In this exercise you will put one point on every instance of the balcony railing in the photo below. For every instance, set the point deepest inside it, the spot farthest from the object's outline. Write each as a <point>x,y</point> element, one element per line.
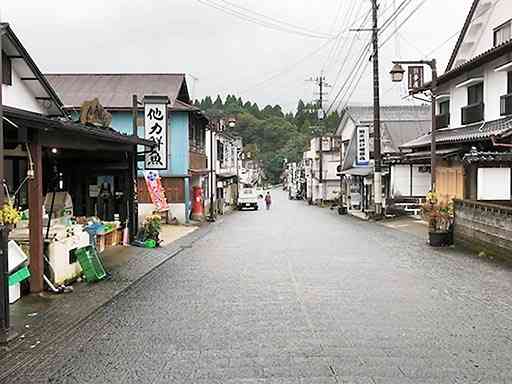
<point>472,113</point>
<point>506,105</point>
<point>442,121</point>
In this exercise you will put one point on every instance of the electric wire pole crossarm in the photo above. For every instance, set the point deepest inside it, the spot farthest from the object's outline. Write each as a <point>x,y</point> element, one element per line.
<point>397,75</point>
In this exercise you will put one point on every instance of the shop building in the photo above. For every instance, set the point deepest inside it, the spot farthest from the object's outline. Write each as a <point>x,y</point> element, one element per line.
<point>187,170</point>
<point>57,166</point>
<point>474,128</point>
<point>227,168</point>
<point>404,184</point>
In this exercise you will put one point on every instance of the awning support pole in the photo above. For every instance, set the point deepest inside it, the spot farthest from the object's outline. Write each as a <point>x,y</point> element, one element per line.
<point>35,207</point>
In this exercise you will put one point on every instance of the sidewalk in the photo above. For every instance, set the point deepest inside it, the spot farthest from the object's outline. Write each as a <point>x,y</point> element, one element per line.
<point>408,224</point>
<point>41,319</point>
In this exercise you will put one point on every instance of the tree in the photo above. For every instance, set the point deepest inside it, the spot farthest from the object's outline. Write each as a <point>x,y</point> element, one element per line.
<point>218,103</point>
<point>271,135</point>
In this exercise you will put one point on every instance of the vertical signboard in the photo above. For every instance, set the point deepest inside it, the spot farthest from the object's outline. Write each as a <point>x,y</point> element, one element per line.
<point>363,147</point>
<point>155,129</point>
<point>416,78</point>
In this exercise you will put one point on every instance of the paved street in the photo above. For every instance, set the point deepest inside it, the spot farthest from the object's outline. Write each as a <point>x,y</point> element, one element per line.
<point>297,295</point>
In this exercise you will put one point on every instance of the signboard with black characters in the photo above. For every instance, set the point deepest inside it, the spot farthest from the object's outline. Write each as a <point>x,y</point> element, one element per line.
<point>363,145</point>
<point>416,78</point>
<point>155,129</point>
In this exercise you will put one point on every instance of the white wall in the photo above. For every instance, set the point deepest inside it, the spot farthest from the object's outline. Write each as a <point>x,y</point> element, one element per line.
<point>401,181</point>
<point>480,35</point>
<point>493,184</point>
<point>458,99</point>
<point>420,181</point>
<point>495,86</point>
<point>479,39</point>
<point>19,96</point>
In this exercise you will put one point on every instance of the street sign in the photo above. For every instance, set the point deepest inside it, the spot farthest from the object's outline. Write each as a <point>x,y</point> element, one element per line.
<point>155,129</point>
<point>363,145</point>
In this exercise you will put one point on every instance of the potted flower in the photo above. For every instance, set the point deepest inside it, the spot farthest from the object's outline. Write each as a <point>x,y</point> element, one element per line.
<point>440,221</point>
<point>9,215</point>
<point>151,228</point>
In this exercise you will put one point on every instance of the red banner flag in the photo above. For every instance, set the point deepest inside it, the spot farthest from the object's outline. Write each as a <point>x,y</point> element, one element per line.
<point>156,191</point>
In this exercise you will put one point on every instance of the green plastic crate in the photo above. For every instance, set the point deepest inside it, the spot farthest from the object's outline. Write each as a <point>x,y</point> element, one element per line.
<point>18,276</point>
<point>91,264</point>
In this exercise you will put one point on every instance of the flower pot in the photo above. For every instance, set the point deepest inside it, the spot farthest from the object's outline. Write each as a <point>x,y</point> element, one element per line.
<point>439,239</point>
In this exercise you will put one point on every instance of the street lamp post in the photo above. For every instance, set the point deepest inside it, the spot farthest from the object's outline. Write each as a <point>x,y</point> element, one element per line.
<point>397,75</point>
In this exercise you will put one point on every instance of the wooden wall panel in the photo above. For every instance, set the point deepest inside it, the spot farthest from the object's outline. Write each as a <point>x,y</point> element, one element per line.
<point>174,190</point>
<point>197,160</point>
<point>450,183</point>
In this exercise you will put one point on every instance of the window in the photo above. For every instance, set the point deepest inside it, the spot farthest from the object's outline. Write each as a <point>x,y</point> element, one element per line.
<point>220,152</point>
<point>444,107</point>
<point>6,69</point>
<point>509,83</point>
<point>503,33</point>
<point>476,94</point>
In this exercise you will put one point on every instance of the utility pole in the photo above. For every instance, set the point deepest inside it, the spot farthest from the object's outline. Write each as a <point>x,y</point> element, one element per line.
<point>377,177</point>
<point>320,129</point>
<point>213,191</point>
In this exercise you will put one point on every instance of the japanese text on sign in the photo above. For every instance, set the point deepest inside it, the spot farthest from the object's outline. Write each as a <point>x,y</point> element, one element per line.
<point>363,149</point>
<point>155,129</point>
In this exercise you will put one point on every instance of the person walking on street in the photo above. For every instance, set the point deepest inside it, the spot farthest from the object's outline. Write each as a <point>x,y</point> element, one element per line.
<point>268,200</point>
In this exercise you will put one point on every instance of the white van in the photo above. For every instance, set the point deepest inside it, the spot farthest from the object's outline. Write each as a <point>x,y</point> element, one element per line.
<point>247,198</point>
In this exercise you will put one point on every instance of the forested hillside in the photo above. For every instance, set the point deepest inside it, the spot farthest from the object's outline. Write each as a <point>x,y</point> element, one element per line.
<point>272,134</point>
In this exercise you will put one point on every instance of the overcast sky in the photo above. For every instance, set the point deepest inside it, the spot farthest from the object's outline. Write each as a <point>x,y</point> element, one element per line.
<point>227,54</point>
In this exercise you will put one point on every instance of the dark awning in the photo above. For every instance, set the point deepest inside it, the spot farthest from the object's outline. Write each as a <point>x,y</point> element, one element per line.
<point>424,155</point>
<point>225,176</point>
<point>31,120</point>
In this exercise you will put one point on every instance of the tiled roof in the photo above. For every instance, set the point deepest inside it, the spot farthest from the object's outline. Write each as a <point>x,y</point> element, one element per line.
<point>115,90</point>
<point>474,132</point>
<point>427,154</point>
<point>475,156</point>
<point>364,114</point>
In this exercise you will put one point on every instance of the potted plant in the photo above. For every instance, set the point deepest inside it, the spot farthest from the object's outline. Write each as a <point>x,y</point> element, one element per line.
<point>440,221</point>
<point>151,228</point>
<point>9,216</point>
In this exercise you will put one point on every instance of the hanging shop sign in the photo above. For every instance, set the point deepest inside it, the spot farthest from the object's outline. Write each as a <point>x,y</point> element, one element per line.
<point>363,145</point>
<point>155,189</point>
<point>155,129</point>
<point>416,78</point>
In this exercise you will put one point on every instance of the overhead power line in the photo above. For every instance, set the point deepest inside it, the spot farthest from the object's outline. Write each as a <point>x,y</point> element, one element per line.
<point>289,68</point>
<point>366,49</point>
<point>261,19</point>
<point>380,46</point>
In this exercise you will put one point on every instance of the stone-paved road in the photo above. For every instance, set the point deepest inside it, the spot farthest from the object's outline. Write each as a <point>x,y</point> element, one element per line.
<point>298,295</point>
